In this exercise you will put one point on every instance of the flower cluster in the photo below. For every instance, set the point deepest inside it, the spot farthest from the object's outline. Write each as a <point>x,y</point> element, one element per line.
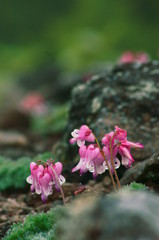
<point>43,177</point>
<point>93,158</point>
<point>130,57</point>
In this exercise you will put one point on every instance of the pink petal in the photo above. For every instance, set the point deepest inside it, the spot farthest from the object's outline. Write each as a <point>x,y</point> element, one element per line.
<point>82,151</point>
<point>106,151</point>
<point>84,131</point>
<point>125,161</point>
<point>32,188</point>
<point>72,140</point>
<point>133,145</point>
<point>44,198</point>
<point>92,152</point>
<point>81,163</point>
<point>90,138</point>
<point>44,182</point>
<point>107,137</point>
<point>120,134</point>
<point>58,168</point>
<point>40,168</point>
<point>126,152</point>
<point>33,165</point>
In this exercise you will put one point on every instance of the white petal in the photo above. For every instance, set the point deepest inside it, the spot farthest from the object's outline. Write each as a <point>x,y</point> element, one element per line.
<point>80,142</point>
<point>117,163</point>
<point>30,179</point>
<point>62,180</point>
<point>75,133</point>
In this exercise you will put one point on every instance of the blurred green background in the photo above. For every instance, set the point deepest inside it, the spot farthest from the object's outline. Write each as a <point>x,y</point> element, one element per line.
<point>74,34</point>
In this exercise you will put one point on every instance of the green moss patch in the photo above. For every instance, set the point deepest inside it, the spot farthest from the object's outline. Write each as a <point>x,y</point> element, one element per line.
<point>135,187</point>
<point>39,226</point>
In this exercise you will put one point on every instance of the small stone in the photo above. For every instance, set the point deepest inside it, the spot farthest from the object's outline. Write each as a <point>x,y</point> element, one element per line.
<point>12,138</point>
<point>106,181</point>
<point>96,104</point>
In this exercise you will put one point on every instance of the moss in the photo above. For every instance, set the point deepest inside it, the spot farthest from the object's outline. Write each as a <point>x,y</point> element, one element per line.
<point>39,226</point>
<point>13,173</point>
<point>135,187</point>
<point>131,187</point>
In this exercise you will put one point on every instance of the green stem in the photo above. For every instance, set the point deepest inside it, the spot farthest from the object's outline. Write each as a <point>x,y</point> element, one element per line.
<point>110,173</point>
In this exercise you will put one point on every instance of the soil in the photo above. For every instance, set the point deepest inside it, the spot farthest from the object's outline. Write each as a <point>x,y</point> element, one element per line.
<point>15,206</point>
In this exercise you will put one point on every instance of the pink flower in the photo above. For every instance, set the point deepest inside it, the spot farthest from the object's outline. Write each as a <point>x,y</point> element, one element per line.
<point>117,143</point>
<point>45,182</point>
<point>55,171</point>
<point>130,57</point>
<point>107,138</point>
<point>43,178</point>
<point>34,103</point>
<point>96,163</point>
<point>106,150</point>
<point>82,135</point>
<point>33,179</point>
<point>142,57</point>
<point>83,161</point>
<point>120,134</point>
<point>90,160</point>
<point>124,146</point>
<point>127,57</point>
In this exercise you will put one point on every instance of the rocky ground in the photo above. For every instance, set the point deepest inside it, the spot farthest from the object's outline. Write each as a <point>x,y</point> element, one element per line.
<point>15,206</point>
<point>127,96</point>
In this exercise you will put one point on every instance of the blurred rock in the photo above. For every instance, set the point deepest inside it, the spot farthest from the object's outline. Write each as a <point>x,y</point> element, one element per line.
<point>125,216</point>
<point>14,119</point>
<point>146,172</point>
<point>127,96</point>
<point>12,139</point>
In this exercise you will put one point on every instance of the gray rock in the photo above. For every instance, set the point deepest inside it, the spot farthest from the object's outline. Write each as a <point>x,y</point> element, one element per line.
<point>125,216</point>
<point>146,172</point>
<point>127,96</point>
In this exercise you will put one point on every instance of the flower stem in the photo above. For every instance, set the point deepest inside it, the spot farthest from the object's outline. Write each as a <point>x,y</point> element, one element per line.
<point>112,162</point>
<point>61,190</point>
<point>110,173</point>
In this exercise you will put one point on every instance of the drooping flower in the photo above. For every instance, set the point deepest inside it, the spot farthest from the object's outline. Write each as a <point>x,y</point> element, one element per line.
<point>82,165</point>
<point>116,161</point>
<point>124,146</point>
<point>116,142</point>
<point>55,170</point>
<point>81,135</point>
<point>108,141</point>
<point>90,160</point>
<point>33,179</point>
<point>43,178</point>
<point>45,182</point>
